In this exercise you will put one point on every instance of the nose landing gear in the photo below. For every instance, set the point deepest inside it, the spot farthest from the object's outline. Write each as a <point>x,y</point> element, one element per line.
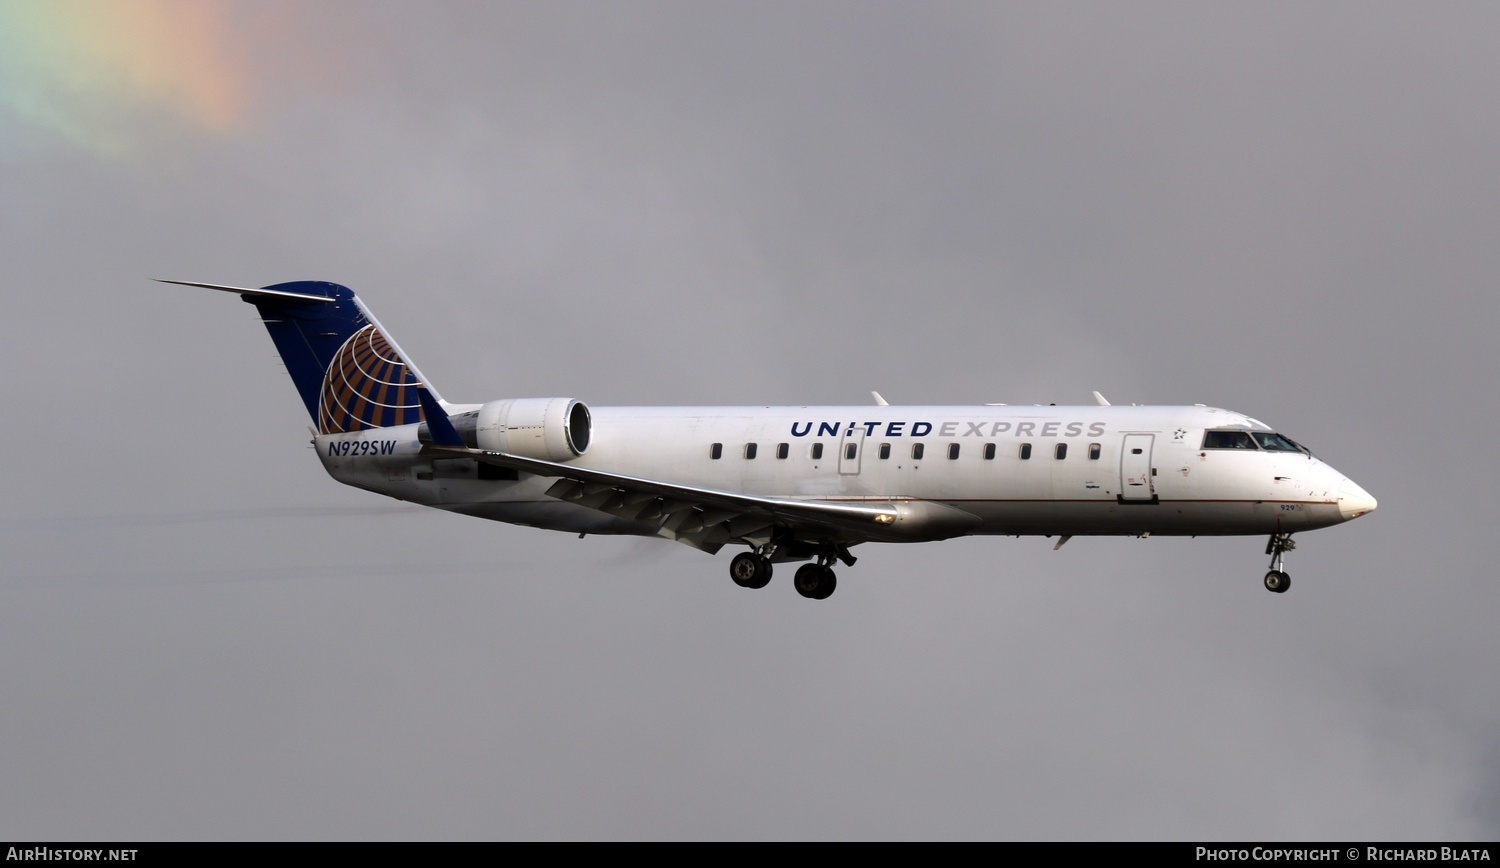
<point>1277,581</point>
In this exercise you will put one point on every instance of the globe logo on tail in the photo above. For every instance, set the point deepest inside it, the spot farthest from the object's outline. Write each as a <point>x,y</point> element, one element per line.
<point>367,385</point>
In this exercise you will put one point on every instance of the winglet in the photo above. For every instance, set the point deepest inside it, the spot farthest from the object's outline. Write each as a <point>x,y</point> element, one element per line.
<point>879,401</point>
<point>1100,398</point>
<point>443,432</point>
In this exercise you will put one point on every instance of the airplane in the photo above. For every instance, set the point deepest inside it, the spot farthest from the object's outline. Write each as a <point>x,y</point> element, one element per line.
<point>792,484</point>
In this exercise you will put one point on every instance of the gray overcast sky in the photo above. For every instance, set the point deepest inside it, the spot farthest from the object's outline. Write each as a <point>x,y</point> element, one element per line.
<point>1288,209</point>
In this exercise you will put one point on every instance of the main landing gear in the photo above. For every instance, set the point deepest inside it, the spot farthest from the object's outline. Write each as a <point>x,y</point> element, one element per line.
<point>1277,581</point>
<point>750,570</point>
<point>814,581</point>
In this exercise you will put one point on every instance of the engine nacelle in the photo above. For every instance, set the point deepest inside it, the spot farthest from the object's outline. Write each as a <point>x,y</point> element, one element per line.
<point>552,429</point>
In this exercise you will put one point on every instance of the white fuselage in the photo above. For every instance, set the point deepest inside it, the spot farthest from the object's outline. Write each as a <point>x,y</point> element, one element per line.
<point>1035,470</point>
<point>788,483</point>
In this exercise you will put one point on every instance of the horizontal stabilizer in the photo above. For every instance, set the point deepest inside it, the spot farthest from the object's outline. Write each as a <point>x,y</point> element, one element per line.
<point>293,297</point>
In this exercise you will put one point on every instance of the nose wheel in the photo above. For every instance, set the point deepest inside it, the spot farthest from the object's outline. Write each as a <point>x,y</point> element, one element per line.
<point>1277,581</point>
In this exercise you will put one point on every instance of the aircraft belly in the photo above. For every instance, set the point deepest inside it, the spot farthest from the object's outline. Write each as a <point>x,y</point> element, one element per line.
<point>1166,518</point>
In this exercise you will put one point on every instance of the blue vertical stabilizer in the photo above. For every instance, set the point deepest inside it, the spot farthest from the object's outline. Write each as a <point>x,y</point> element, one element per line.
<point>350,375</point>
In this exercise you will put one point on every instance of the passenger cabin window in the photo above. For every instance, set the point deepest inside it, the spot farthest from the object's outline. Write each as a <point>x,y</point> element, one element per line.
<point>1061,451</point>
<point>989,452</point>
<point>1227,440</point>
<point>817,451</point>
<point>716,451</point>
<point>749,451</point>
<point>783,450</point>
<point>851,450</point>
<point>1094,450</point>
<point>1025,451</point>
<point>916,451</point>
<point>952,451</point>
<point>885,451</point>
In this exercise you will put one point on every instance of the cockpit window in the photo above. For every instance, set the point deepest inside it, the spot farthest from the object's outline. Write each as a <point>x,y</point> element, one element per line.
<point>1275,443</point>
<point>1227,440</point>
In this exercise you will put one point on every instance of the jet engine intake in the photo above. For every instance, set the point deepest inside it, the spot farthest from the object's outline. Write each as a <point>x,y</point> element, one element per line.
<point>550,429</point>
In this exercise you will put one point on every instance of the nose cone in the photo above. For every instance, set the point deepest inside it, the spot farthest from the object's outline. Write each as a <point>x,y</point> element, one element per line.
<point>1354,501</point>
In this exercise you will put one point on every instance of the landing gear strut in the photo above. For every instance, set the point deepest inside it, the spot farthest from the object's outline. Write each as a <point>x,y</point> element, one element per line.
<point>1277,581</point>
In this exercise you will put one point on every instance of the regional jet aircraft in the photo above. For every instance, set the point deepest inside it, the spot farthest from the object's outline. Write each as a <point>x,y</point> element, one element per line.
<point>790,483</point>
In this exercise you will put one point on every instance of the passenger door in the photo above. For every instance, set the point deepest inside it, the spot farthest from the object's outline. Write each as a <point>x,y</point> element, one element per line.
<point>1135,468</point>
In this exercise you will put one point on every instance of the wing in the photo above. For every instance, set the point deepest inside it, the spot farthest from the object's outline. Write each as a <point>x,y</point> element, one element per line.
<point>706,518</point>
